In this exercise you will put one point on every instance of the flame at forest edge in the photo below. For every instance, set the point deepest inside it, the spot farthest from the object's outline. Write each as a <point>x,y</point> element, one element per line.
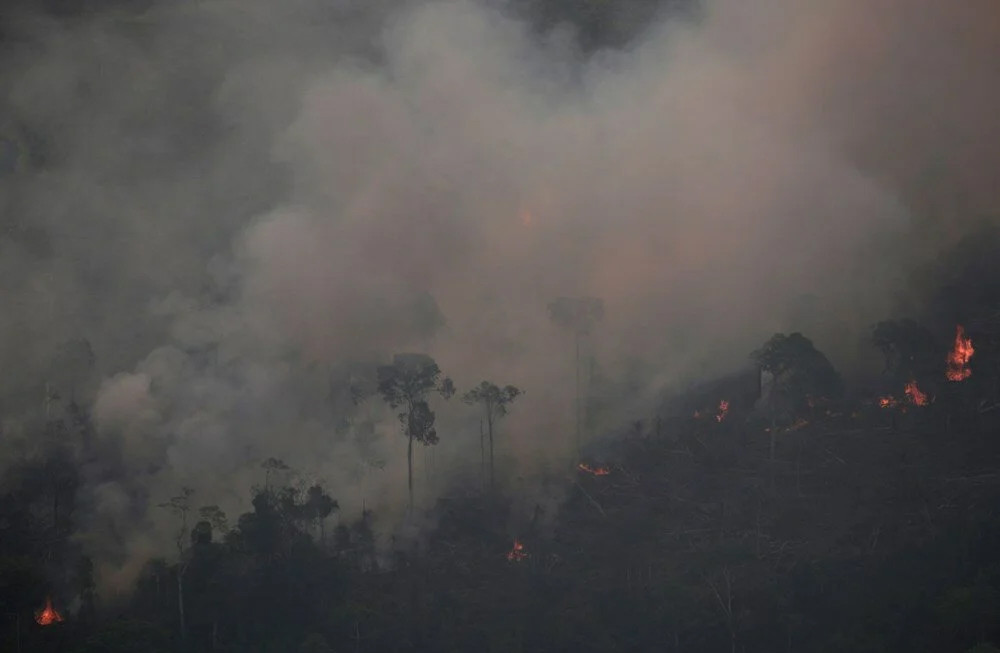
<point>48,615</point>
<point>958,357</point>
<point>596,471</point>
<point>915,395</point>
<point>517,553</point>
<point>723,410</point>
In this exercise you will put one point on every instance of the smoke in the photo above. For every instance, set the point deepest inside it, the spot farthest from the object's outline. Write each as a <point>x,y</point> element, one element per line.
<point>241,207</point>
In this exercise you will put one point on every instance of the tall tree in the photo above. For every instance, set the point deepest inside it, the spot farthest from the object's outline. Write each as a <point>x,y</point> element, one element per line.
<point>317,507</point>
<point>180,505</point>
<point>272,465</point>
<point>578,315</point>
<point>495,402</point>
<point>404,385</point>
<point>798,371</point>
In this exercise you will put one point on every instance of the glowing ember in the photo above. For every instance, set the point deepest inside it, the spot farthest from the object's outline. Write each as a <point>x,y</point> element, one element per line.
<point>723,410</point>
<point>914,394</point>
<point>517,553</point>
<point>886,402</point>
<point>596,471</point>
<point>958,357</point>
<point>48,615</point>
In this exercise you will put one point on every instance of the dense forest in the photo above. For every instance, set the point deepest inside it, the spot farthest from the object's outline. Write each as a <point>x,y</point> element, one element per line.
<point>784,508</point>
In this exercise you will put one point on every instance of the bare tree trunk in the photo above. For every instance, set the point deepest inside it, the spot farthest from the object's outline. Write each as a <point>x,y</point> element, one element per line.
<point>409,466</point>
<point>576,338</point>
<point>489,424</point>
<point>180,599</point>
<point>774,437</point>
<point>798,465</point>
<point>482,453</point>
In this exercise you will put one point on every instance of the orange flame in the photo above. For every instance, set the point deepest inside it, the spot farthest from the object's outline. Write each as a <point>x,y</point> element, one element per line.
<point>526,217</point>
<point>886,402</point>
<point>958,357</point>
<point>914,394</point>
<point>596,471</point>
<point>723,410</point>
<point>48,615</point>
<point>517,553</point>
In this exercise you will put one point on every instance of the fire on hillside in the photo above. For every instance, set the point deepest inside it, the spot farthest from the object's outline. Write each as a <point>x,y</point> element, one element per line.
<point>959,356</point>
<point>723,410</point>
<point>48,615</point>
<point>595,471</point>
<point>517,552</point>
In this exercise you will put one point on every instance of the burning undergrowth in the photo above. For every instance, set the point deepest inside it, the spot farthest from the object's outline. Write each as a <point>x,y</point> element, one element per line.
<point>48,615</point>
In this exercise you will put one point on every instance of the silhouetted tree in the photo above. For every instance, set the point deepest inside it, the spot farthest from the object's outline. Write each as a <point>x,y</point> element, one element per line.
<point>495,402</point>
<point>270,466</point>
<point>317,507</point>
<point>214,516</point>
<point>798,371</point>
<point>405,385</point>
<point>180,505</point>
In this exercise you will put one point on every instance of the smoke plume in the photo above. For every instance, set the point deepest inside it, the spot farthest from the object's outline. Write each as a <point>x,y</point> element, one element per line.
<point>241,207</point>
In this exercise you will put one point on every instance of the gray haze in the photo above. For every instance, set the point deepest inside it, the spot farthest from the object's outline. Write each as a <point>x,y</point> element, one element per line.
<point>242,202</point>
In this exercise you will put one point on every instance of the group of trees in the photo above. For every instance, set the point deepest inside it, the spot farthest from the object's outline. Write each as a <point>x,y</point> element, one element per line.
<point>406,385</point>
<point>959,308</point>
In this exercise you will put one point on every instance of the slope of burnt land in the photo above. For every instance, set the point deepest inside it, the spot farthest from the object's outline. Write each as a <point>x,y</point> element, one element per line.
<point>858,536</point>
<point>870,529</point>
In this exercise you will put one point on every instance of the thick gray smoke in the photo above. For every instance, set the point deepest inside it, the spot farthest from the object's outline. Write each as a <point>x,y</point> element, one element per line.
<point>241,206</point>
